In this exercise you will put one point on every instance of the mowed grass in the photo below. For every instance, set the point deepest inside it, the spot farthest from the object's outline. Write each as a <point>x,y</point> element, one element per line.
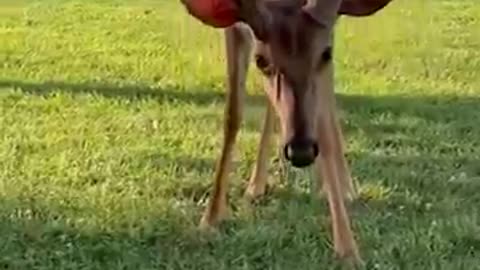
<point>111,121</point>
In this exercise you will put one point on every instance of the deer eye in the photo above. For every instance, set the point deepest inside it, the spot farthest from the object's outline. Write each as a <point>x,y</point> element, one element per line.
<point>263,64</point>
<point>327,55</point>
<point>261,61</point>
<point>325,58</point>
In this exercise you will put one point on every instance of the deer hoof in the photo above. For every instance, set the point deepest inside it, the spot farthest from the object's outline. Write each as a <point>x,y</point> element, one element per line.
<point>350,257</point>
<point>211,219</point>
<point>254,192</point>
<point>353,262</point>
<point>207,226</point>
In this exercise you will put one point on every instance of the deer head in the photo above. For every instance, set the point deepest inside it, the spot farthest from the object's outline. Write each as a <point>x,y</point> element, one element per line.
<point>294,54</point>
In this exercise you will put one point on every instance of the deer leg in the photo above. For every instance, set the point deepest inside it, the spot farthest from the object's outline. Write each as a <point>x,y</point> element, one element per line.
<point>328,165</point>
<point>238,47</point>
<point>331,166</point>
<point>348,190</point>
<point>337,144</point>
<point>344,243</point>
<point>258,179</point>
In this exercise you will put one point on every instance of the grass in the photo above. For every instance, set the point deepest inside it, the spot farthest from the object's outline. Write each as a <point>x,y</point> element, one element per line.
<point>110,121</point>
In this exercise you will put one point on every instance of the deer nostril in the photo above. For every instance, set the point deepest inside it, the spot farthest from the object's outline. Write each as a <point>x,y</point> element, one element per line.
<point>301,153</point>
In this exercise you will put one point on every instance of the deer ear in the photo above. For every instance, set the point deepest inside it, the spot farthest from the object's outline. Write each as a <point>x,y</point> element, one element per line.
<point>215,13</point>
<point>323,12</point>
<point>361,7</point>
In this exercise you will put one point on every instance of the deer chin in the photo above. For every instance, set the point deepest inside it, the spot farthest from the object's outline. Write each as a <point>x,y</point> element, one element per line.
<point>214,13</point>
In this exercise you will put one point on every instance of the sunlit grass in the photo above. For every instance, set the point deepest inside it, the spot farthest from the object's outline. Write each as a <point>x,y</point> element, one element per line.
<point>111,116</point>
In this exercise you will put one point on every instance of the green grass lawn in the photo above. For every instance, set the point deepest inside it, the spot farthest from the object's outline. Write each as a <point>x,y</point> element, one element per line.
<point>110,123</point>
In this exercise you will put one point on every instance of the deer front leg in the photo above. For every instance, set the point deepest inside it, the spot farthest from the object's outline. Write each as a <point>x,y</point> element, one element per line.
<point>328,165</point>
<point>238,47</point>
<point>258,179</point>
<point>348,190</point>
<point>328,113</point>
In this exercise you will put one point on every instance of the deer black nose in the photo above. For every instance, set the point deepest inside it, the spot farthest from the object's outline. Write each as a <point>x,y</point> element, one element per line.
<point>301,152</point>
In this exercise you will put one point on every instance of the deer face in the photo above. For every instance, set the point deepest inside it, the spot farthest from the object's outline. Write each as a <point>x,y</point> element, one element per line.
<point>294,54</point>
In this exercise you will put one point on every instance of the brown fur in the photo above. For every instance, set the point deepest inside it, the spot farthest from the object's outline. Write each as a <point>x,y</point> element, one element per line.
<point>293,43</point>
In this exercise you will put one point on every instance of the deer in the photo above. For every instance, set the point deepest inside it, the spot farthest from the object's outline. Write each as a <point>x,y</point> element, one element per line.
<point>292,45</point>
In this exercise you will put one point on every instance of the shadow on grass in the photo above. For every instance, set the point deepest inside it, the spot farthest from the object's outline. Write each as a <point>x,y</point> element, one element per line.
<point>423,185</point>
<point>456,113</point>
<point>459,114</point>
<point>199,94</point>
<point>423,190</point>
<point>36,234</point>
<point>358,109</point>
<point>44,240</point>
<point>445,107</point>
<point>436,109</point>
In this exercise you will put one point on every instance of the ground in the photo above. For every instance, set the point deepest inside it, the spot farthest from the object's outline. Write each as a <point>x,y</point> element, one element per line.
<point>111,115</point>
